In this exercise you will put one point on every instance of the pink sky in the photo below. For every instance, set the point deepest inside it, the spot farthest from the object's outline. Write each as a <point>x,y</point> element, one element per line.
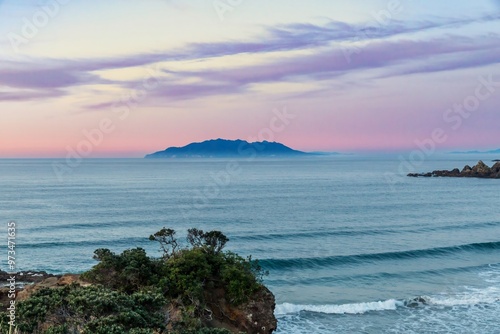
<point>356,78</point>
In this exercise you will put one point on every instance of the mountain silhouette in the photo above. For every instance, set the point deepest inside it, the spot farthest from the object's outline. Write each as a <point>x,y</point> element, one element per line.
<point>228,148</point>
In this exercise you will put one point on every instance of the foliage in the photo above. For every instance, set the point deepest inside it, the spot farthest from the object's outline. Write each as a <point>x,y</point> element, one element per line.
<point>91,310</point>
<point>127,272</point>
<point>166,239</point>
<point>208,331</point>
<point>133,291</point>
<point>213,241</point>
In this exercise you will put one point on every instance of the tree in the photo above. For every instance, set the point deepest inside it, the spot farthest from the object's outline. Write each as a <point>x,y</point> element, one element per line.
<point>214,241</point>
<point>167,240</point>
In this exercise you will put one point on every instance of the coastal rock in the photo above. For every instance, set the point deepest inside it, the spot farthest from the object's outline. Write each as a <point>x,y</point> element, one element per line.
<point>24,280</point>
<point>50,283</point>
<point>467,170</point>
<point>481,170</point>
<point>495,169</point>
<point>416,302</point>
<point>23,277</point>
<point>254,317</point>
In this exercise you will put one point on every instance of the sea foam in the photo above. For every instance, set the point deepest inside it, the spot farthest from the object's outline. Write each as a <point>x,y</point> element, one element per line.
<point>355,308</point>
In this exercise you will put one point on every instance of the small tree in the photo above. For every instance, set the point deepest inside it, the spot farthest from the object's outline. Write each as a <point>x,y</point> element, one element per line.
<point>214,241</point>
<point>167,240</point>
<point>195,237</point>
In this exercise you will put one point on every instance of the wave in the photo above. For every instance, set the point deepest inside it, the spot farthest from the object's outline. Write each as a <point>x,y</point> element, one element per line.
<point>366,231</point>
<point>358,308</point>
<point>315,262</point>
<point>124,242</point>
<point>82,226</point>
<point>317,280</point>
<point>485,296</point>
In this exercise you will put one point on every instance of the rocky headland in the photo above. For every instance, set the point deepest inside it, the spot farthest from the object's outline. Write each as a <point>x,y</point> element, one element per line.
<point>481,170</point>
<point>199,289</point>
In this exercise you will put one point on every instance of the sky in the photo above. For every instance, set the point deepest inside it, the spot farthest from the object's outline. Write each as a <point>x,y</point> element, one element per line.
<point>122,78</point>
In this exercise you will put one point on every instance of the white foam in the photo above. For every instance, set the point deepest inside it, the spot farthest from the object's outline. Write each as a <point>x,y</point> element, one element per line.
<point>472,296</point>
<point>358,308</point>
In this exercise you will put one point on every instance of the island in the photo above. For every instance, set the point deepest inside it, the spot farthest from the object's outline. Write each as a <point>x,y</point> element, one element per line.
<point>228,149</point>
<point>477,152</point>
<point>481,170</point>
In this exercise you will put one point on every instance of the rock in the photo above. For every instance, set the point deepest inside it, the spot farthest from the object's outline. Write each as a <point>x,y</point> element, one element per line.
<point>50,283</point>
<point>495,169</point>
<point>254,317</point>
<point>481,170</point>
<point>24,280</point>
<point>27,276</point>
<point>416,302</point>
<point>466,171</point>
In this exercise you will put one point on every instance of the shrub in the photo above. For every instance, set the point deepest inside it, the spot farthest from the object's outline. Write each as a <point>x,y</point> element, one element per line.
<point>127,272</point>
<point>91,310</point>
<point>133,291</point>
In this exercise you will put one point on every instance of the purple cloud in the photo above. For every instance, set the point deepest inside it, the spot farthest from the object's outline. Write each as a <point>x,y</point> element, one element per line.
<point>49,74</point>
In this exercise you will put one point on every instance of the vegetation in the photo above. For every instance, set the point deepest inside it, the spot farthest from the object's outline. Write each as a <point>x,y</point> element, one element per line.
<point>133,293</point>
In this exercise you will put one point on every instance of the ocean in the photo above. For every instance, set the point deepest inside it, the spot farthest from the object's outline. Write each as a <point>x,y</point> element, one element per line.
<point>348,240</point>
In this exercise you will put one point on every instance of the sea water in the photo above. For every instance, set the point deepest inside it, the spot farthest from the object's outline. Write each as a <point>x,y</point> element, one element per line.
<point>348,240</point>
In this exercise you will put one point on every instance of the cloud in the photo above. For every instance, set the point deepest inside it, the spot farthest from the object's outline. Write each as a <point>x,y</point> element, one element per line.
<point>28,95</point>
<point>383,46</point>
<point>380,54</point>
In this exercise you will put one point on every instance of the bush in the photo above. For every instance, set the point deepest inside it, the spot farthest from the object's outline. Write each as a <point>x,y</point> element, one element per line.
<point>127,272</point>
<point>133,291</point>
<point>91,310</point>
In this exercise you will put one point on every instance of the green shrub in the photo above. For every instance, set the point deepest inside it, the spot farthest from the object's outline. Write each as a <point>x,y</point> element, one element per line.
<point>94,309</point>
<point>132,290</point>
<point>127,272</point>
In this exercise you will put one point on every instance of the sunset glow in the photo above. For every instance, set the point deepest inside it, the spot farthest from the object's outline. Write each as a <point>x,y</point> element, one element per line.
<point>370,76</point>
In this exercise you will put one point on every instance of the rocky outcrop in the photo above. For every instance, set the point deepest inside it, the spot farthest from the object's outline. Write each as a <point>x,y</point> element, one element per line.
<point>416,302</point>
<point>50,283</point>
<point>481,170</point>
<point>23,280</point>
<point>27,276</point>
<point>254,317</point>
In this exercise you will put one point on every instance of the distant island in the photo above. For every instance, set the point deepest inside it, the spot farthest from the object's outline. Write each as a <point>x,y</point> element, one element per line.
<point>228,148</point>
<point>477,152</point>
<point>481,170</point>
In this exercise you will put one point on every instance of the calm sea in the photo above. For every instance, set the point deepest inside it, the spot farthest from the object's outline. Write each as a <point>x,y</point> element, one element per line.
<point>346,245</point>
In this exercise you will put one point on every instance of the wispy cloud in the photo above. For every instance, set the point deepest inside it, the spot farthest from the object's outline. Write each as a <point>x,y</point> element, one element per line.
<point>384,47</point>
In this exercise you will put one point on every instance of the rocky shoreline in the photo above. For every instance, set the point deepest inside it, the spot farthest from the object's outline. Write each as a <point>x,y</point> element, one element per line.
<point>27,277</point>
<point>254,317</point>
<point>481,170</point>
